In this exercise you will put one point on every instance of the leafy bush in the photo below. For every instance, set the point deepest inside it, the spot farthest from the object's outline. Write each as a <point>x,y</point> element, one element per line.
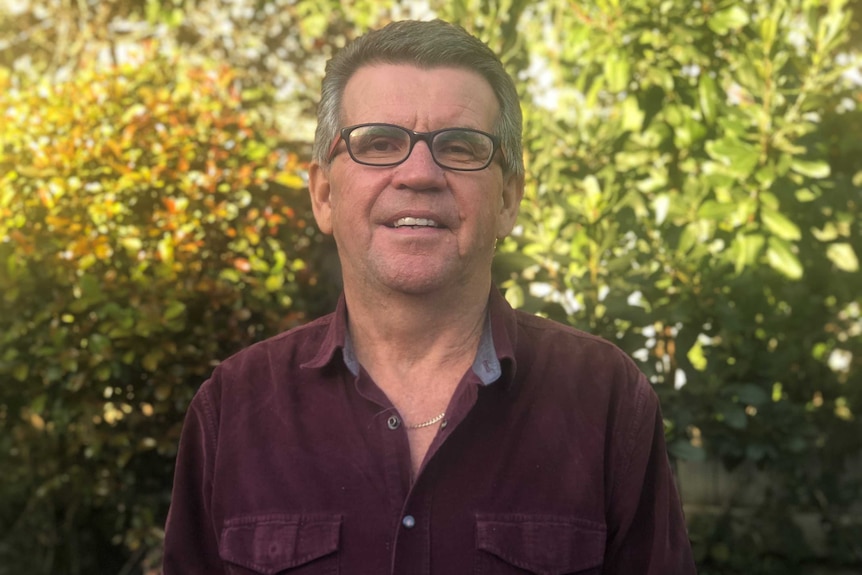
<point>148,226</point>
<point>693,195</point>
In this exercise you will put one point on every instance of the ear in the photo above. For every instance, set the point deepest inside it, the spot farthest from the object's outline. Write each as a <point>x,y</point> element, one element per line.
<point>321,195</point>
<point>513,191</point>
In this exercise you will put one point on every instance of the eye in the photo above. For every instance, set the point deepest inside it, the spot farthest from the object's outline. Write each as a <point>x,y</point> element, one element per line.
<point>456,147</point>
<point>462,145</point>
<point>378,142</point>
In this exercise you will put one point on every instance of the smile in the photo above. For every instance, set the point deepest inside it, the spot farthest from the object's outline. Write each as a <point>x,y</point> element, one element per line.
<point>415,223</point>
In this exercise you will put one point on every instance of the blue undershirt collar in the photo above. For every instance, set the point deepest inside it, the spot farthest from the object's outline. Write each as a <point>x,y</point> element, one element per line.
<point>486,366</point>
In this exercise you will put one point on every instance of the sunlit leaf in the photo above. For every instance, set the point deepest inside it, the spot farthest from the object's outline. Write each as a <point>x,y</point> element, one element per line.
<point>817,170</point>
<point>729,19</point>
<point>708,96</point>
<point>843,256</point>
<point>781,257</point>
<point>780,225</point>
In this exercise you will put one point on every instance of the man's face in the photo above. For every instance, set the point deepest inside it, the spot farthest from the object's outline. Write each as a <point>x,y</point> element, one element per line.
<point>457,216</point>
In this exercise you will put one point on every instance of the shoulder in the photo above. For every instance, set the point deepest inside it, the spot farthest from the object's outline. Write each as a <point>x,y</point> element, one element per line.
<point>551,339</point>
<point>290,348</point>
<point>277,360</point>
<point>554,356</point>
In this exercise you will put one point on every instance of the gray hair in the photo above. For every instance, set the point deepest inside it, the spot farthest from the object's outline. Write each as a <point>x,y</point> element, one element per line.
<point>426,45</point>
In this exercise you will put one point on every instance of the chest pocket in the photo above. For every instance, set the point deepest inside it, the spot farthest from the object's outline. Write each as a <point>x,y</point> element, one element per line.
<point>540,544</point>
<point>292,544</point>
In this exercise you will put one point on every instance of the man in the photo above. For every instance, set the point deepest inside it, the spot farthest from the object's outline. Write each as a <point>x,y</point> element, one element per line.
<point>425,426</point>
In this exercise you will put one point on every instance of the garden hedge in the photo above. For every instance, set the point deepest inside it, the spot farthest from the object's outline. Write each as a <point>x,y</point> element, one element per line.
<point>693,195</point>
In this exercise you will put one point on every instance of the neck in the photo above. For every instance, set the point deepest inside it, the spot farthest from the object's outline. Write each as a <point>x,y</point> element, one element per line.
<point>404,333</point>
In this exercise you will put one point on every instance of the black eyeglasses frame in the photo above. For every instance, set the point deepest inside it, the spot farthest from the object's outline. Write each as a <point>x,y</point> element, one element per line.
<point>427,137</point>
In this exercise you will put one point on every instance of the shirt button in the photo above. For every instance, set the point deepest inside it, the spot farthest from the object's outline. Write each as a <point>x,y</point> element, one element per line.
<point>409,521</point>
<point>393,422</point>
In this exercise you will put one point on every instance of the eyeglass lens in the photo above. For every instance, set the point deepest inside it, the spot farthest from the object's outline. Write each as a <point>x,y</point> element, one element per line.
<point>456,148</point>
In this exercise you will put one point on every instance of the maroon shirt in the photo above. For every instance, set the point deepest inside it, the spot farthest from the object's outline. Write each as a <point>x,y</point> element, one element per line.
<point>551,459</point>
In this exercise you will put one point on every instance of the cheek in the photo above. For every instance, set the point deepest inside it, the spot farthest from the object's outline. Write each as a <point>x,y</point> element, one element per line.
<point>350,208</point>
<point>341,202</point>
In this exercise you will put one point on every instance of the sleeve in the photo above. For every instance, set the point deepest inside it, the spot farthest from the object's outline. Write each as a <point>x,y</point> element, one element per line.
<point>191,545</point>
<point>646,527</point>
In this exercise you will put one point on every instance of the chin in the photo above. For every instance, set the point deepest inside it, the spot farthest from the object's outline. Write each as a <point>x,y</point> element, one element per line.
<point>416,287</point>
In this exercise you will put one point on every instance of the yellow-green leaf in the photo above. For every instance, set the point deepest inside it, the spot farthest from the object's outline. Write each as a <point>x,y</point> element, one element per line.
<point>780,225</point>
<point>708,95</point>
<point>843,256</point>
<point>174,310</point>
<point>782,259</point>
<point>816,170</point>
<point>733,18</point>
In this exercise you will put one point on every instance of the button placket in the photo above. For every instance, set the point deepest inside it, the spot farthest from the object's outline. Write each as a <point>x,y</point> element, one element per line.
<point>412,551</point>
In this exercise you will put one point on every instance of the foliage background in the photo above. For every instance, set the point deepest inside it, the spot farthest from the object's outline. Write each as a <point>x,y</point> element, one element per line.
<point>694,196</point>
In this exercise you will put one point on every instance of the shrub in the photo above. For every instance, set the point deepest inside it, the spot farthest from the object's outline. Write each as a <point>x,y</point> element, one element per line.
<point>694,196</point>
<point>149,224</point>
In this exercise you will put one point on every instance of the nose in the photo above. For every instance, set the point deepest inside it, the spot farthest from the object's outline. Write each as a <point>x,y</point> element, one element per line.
<point>419,171</point>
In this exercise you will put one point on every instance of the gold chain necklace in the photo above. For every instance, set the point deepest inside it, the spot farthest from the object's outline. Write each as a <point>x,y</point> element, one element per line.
<point>428,423</point>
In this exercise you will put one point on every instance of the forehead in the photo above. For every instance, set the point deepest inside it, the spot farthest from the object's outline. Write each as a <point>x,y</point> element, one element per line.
<point>419,98</point>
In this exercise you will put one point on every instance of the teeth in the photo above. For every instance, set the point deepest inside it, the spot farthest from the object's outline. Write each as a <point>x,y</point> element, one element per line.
<point>415,222</point>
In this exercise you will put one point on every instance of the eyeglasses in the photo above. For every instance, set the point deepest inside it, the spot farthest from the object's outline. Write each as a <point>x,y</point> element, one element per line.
<point>460,149</point>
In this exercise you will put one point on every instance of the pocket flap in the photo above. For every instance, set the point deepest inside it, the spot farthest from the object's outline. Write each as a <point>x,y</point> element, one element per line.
<point>546,544</point>
<point>272,543</point>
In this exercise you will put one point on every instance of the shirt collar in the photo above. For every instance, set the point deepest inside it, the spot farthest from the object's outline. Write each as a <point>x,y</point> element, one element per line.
<point>496,346</point>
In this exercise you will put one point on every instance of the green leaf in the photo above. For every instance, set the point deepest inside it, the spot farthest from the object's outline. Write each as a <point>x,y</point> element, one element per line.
<point>688,238</point>
<point>683,449</point>
<point>38,403</point>
<point>805,195</point>
<point>756,451</point>
<point>713,210</point>
<point>632,115</point>
<point>723,21</point>
<point>515,296</point>
<point>696,357</point>
<point>11,294</point>
<point>769,28</point>
<point>661,205</point>
<point>843,256</point>
<point>617,72</point>
<point>230,275</point>
<point>816,170</point>
<point>274,282</point>
<point>103,372</point>
<point>780,225</point>
<point>751,394</point>
<point>21,371</point>
<point>782,259</point>
<point>133,245</point>
<point>747,250</point>
<point>708,95</point>
<point>733,416</point>
<point>174,310</point>
<point>739,158</point>
<point>99,343</point>
<point>91,288</point>
<point>152,359</point>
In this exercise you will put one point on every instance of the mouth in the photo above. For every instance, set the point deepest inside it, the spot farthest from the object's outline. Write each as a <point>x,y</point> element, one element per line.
<point>415,223</point>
